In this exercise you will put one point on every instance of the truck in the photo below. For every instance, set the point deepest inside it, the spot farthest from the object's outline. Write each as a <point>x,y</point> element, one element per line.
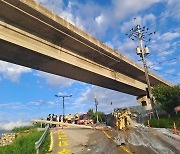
<point>85,119</point>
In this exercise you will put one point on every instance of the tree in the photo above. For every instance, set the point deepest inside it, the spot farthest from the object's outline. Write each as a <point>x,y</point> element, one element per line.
<point>168,97</point>
<point>94,115</point>
<point>90,112</point>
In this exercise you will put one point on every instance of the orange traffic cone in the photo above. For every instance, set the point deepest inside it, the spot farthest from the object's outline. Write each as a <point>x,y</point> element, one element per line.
<point>148,124</point>
<point>56,128</point>
<point>175,131</point>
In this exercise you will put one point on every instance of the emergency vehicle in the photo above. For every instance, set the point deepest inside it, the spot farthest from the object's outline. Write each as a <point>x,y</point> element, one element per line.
<point>85,119</point>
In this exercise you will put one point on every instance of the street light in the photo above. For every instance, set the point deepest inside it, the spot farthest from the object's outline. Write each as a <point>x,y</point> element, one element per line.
<point>96,104</point>
<point>63,104</point>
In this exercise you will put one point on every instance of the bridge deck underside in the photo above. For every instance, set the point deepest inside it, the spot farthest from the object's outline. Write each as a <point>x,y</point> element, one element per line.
<point>47,25</point>
<point>32,18</point>
<point>22,56</point>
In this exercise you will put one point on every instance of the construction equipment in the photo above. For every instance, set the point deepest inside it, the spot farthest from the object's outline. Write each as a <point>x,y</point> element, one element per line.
<point>122,118</point>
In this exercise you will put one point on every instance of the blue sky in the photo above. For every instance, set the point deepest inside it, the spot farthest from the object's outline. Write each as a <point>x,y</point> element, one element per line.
<point>27,93</point>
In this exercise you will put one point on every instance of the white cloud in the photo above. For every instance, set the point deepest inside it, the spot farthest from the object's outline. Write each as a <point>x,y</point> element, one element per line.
<point>55,80</point>
<point>123,8</point>
<point>170,71</point>
<point>13,124</point>
<point>149,18</point>
<point>100,19</point>
<point>14,105</point>
<point>51,103</point>
<point>169,36</point>
<point>172,63</point>
<point>165,53</point>
<point>85,96</point>
<point>37,103</point>
<point>104,97</point>
<point>153,65</point>
<point>12,72</point>
<point>126,26</point>
<point>109,44</point>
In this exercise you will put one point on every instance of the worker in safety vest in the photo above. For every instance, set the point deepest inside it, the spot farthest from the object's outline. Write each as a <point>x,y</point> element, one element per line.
<point>121,122</point>
<point>49,117</point>
<point>69,118</point>
<point>76,117</point>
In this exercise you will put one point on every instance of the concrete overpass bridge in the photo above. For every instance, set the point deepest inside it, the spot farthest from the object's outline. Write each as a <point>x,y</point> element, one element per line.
<point>32,36</point>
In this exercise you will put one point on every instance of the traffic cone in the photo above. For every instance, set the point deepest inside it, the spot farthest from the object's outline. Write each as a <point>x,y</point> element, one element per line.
<point>148,124</point>
<point>175,131</point>
<point>56,128</point>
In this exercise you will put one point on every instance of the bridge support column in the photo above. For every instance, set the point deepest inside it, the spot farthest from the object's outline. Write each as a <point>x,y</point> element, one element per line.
<point>144,101</point>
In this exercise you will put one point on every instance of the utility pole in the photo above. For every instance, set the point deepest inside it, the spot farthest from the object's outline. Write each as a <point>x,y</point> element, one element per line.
<point>141,33</point>
<point>96,104</point>
<point>111,109</point>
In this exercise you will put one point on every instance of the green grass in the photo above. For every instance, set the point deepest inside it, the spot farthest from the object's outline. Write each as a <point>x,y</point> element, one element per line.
<point>25,142</point>
<point>45,145</point>
<point>165,122</point>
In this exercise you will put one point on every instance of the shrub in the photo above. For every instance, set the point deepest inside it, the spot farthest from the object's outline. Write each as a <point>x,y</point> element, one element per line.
<point>165,122</point>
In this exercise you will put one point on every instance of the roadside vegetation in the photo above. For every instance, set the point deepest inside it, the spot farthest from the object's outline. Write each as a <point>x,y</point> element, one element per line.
<point>94,115</point>
<point>25,141</point>
<point>165,122</point>
<point>167,98</point>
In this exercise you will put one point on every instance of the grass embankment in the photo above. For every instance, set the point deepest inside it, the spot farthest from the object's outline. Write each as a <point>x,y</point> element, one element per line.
<point>165,122</point>
<point>25,141</point>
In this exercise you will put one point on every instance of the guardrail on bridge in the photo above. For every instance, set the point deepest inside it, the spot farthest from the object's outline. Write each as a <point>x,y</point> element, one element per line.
<point>40,141</point>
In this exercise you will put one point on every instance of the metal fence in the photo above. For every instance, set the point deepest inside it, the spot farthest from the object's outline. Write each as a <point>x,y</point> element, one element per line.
<point>40,141</point>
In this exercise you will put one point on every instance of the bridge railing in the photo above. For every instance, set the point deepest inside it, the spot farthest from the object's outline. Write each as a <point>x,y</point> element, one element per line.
<point>40,141</point>
<point>58,11</point>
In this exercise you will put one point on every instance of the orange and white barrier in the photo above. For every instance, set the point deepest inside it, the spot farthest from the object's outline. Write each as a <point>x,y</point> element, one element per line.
<point>148,124</point>
<point>175,131</point>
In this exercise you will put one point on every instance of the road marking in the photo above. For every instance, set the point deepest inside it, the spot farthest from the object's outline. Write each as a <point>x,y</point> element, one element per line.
<point>51,145</point>
<point>63,142</point>
<point>64,151</point>
<point>122,147</point>
<point>153,133</point>
<point>107,134</point>
<point>126,149</point>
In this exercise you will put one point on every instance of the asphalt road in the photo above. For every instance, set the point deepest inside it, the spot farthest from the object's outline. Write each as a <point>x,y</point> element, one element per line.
<point>135,140</point>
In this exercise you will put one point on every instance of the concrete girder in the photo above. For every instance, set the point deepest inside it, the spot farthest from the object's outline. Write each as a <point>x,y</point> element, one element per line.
<point>23,48</point>
<point>34,18</point>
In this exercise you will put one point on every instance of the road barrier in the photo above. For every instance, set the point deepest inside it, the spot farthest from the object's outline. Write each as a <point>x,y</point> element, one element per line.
<point>62,124</point>
<point>40,141</point>
<point>149,124</point>
<point>175,131</point>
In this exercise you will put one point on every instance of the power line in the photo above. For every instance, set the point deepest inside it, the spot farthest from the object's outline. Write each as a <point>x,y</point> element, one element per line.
<point>164,72</point>
<point>166,60</point>
<point>160,19</point>
<point>165,17</point>
<point>161,49</point>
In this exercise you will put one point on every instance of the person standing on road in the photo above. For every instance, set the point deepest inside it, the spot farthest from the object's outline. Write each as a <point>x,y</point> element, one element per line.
<point>54,119</point>
<point>76,118</point>
<point>49,117</point>
<point>69,118</point>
